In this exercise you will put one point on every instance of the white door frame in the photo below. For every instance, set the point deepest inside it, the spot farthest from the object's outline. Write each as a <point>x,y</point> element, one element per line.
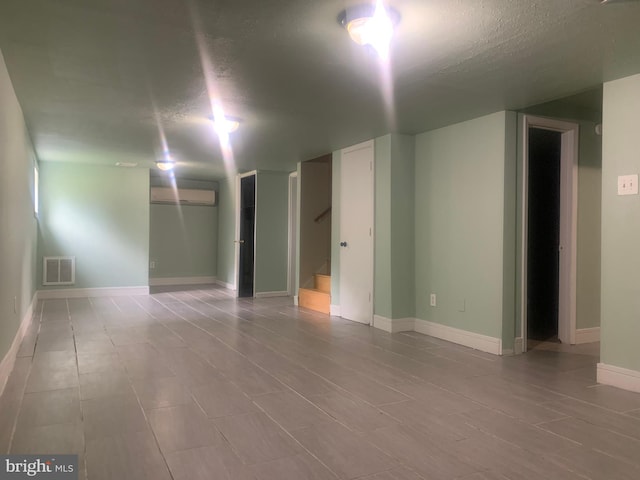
<point>371,144</point>
<point>568,224</point>
<point>236,242</point>
<point>292,266</point>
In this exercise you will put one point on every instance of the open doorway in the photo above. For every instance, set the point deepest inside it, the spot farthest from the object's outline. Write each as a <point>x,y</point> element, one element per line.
<point>549,231</point>
<point>245,238</point>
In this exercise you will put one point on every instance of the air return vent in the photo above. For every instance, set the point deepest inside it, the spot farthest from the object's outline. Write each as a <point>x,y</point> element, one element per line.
<point>59,271</point>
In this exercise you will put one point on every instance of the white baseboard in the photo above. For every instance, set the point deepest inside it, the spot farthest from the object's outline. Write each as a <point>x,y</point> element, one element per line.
<point>156,282</point>
<point>271,294</point>
<point>9,360</point>
<point>619,377</point>
<point>92,292</point>
<point>518,346</point>
<point>295,300</point>
<point>334,310</point>
<point>393,325</point>
<point>587,335</point>
<point>224,284</point>
<point>480,342</point>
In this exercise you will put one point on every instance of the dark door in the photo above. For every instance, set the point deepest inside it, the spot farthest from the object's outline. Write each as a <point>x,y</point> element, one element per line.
<point>543,236</point>
<point>247,228</point>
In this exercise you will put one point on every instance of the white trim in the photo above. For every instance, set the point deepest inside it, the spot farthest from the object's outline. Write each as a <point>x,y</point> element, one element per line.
<point>295,300</point>
<point>394,325</point>
<point>480,342</point>
<point>587,335</point>
<point>619,377</point>
<point>334,310</point>
<point>271,294</point>
<point>181,281</point>
<point>222,283</point>
<point>9,360</point>
<point>92,292</point>
<point>518,346</point>
<point>568,224</point>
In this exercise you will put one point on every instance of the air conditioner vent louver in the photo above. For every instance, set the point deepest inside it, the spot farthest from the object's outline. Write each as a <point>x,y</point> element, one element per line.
<point>59,271</point>
<point>182,196</point>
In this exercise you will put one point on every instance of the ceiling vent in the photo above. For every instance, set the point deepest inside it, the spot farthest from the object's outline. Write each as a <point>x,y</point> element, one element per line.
<point>183,196</point>
<point>59,271</point>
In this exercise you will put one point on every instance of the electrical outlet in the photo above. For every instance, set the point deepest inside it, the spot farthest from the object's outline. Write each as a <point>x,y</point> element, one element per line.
<point>152,264</point>
<point>432,300</point>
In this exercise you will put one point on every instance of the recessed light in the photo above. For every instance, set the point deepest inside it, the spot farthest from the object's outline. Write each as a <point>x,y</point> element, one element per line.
<point>226,124</point>
<point>165,165</point>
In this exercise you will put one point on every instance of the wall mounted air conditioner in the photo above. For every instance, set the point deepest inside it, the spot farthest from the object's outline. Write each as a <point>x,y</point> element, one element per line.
<point>183,196</point>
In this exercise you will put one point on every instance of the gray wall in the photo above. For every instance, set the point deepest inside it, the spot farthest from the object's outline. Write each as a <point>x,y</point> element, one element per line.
<point>18,225</point>
<point>226,231</point>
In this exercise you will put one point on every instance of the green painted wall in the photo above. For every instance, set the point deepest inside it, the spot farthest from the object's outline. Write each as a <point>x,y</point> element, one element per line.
<point>100,215</point>
<point>226,231</point>
<point>620,326</point>
<point>383,297</point>
<point>272,243</point>
<point>459,221</point>
<point>18,225</point>
<point>394,230</point>
<point>183,241</point>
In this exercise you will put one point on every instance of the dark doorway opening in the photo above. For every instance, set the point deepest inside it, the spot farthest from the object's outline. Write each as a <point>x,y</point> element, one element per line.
<point>247,229</point>
<point>543,235</point>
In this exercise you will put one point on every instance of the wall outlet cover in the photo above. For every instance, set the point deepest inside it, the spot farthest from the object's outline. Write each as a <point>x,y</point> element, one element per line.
<point>432,300</point>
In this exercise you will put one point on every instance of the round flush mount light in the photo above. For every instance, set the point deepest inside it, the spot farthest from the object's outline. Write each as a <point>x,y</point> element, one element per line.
<point>165,165</point>
<point>370,24</point>
<point>225,124</point>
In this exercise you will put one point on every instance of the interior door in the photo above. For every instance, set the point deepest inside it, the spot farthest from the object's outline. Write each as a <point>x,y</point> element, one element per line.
<point>247,235</point>
<point>356,233</point>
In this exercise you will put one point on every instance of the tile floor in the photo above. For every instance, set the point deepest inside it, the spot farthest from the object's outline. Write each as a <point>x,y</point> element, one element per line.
<point>198,385</point>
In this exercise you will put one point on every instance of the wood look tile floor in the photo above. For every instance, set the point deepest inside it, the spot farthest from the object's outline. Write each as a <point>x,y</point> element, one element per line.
<point>195,384</point>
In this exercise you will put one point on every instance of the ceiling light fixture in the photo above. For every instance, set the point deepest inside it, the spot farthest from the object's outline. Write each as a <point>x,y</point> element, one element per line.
<point>225,124</point>
<point>370,24</point>
<point>165,165</point>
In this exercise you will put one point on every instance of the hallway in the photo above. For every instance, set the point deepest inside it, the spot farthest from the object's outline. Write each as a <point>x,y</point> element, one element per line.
<point>197,385</point>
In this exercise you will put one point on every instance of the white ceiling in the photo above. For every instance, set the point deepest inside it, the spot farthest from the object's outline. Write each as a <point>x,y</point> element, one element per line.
<point>99,79</point>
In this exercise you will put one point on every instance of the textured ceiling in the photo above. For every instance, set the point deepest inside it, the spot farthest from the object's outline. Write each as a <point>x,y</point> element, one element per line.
<point>101,81</point>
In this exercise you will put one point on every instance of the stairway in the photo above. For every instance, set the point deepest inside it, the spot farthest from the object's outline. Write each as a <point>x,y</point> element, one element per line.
<point>317,298</point>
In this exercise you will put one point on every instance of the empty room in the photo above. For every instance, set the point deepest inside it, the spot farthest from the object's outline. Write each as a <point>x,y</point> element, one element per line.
<point>374,240</point>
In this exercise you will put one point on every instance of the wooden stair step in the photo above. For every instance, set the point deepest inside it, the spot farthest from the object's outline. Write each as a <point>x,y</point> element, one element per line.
<point>322,282</point>
<point>314,299</point>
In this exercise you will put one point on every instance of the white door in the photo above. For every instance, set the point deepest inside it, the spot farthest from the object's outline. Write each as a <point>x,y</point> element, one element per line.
<point>356,233</point>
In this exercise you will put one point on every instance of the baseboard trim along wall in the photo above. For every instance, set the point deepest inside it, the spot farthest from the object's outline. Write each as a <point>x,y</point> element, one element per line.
<point>587,335</point>
<point>271,294</point>
<point>155,282</point>
<point>619,377</point>
<point>9,360</point>
<point>480,342</point>
<point>518,346</point>
<point>334,310</point>
<point>295,300</point>
<point>394,325</point>
<point>224,284</point>
<point>92,292</point>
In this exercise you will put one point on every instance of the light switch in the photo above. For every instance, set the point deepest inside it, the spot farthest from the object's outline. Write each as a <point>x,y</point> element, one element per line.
<point>628,185</point>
